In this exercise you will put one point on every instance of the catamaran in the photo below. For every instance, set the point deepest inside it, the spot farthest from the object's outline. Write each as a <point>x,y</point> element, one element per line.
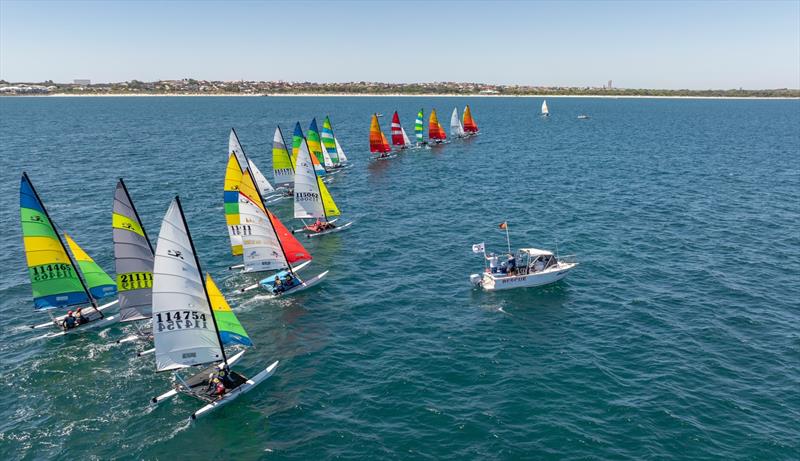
<point>133,258</point>
<point>419,128</point>
<point>545,111</point>
<point>470,127</point>
<point>58,282</point>
<point>435,131</point>
<point>192,322</point>
<point>282,165</point>
<point>331,144</point>
<point>456,129</point>
<point>318,150</point>
<point>399,136</point>
<point>297,139</point>
<point>377,140</point>
<point>235,147</point>
<point>530,267</point>
<point>312,199</point>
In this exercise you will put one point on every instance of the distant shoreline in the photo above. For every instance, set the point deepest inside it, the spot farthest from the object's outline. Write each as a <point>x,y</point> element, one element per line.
<point>397,95</point>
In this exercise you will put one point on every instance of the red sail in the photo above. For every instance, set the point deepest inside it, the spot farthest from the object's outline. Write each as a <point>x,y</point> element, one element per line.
<point>435,130</point>
<point>377,141</point>
<point>294,250</point>
<point>469,123</point>
<point>397,132</point>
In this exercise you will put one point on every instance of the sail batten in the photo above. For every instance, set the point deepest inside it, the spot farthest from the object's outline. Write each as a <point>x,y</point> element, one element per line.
<point>133,259</point>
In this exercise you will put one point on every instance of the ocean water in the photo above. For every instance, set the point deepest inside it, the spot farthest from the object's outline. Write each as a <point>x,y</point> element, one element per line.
<point>676,338</point>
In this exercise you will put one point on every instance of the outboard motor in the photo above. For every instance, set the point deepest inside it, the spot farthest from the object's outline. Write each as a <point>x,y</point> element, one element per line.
<point>476,279</point>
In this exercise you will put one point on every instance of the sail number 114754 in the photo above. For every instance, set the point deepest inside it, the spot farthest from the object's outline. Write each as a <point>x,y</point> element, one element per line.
<point>180,320</point>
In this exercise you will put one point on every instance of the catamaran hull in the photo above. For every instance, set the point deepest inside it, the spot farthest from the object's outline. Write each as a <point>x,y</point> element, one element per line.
<point>295,289</point>
<point>235,393</point>
<point>104,322</point>
<point>173,392</point>
<point>496,282</point>
<point>330,231</point>
<point>51,324</point>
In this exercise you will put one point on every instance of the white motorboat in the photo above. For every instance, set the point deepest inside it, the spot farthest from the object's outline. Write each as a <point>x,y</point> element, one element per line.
<point>532,268</point>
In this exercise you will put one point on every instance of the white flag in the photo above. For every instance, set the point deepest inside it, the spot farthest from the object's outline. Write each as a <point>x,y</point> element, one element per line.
<point>478,248</point>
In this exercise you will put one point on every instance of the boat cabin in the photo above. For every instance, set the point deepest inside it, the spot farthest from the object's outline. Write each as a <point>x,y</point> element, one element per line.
<point>526,261</point>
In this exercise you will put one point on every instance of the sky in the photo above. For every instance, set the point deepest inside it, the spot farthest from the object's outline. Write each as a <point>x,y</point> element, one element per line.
<point>679,44</point>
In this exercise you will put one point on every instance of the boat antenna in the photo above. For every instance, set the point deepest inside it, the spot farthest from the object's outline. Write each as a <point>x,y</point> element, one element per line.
<point>556,248</point>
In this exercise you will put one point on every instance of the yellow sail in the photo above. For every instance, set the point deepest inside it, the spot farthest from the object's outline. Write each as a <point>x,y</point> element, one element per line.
<point>233,176</point>
<point>327,201</point>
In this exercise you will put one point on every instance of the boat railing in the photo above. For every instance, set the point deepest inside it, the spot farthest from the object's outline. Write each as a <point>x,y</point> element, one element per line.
<point>568,259</point>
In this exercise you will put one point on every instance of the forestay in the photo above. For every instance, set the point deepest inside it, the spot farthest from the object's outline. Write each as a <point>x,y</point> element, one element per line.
<point>133,258</point>
<point>183,328</point>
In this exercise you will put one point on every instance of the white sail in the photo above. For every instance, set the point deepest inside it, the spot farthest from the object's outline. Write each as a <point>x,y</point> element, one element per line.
<point>261,182</point>
<point>327,160</point>
<point>406,141</point>
<point>234,146</point>
<point>456,130</point>
<point>307,197</point>
<point>544,108</point>
<point>340,151</point>
<point>262,250</point>
<point>183,330</point>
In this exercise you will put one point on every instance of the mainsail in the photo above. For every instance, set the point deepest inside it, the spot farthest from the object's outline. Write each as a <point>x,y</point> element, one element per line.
<point>235,147</point>
<point>233,176</point>
<point>297,140</point>
<point>329,141</point>
<point>261,181</point>
<point>435,130</point>
<point>340,152</point>
<point>133,256</point>
<point>469,123</point>
<point>377,140</point>
<point>456,130</point>
<point>282,167</point>
<point>545,111</point>
<point>397,131</point>
<point>316,146</point>
<point>311,197</point>
<point>419,126</point>
<point>184,328</point>
<point>54,278</point>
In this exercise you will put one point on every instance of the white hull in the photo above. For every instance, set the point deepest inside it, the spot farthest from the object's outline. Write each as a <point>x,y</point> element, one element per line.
<point>235,393</point>
<point>106,321</point>
<point>330,231</point>
<point>51,324</point>
<point>495,282</point>
<point>173,392</point>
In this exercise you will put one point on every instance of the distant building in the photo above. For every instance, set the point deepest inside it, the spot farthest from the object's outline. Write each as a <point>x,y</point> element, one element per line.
<point>82,81</point>
<point>609,84</point>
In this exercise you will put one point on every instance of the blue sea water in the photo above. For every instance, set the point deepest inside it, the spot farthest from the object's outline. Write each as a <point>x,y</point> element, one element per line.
<point>676,338</point>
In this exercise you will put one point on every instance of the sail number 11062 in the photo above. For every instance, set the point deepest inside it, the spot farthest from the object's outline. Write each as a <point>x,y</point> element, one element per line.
<point>180,320</point>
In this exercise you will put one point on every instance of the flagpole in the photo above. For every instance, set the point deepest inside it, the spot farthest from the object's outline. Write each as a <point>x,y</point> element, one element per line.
<point>508,239</point>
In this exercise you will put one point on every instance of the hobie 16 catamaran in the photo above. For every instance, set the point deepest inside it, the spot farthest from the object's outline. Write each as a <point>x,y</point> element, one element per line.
<point>399,136</point>
<point>377,140</point>
<point>192,322</point>
<point>312,199</point>
<point>435,131</point>
<point>57,281</point>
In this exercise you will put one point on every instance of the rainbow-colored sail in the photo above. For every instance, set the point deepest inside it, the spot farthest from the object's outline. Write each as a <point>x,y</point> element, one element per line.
<point>435,129</point>
<point>314,141</point>
<point>377,140</point>
<point>329,141</point>
<point>54,279</point>
<point>99,283</point>
<point>233,176</point>
<point>230,330</point>
<point>419,126</point>
<point>297,139</point>
<point>469,123</point>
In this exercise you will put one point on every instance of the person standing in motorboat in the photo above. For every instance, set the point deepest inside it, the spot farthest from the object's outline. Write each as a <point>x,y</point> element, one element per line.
<point>512,264</point>
<point>538,266</point>
<point>492,262</point>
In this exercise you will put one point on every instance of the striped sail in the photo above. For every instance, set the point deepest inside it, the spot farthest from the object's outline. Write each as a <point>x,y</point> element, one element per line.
<point>456,130</point>
<point>377,140</point>
<point>261,181</point>
<point>233,176</point>
<point>297,140</point>
<point>397,131</point>
<point>435,130</point>
<point>419,126</point>
<point>311,197</point>
<point>329,141</point>
<point>314,141</point>
<point>99,283</point>
<point>183,329</point>
<point>230,330</point>
<point>54,279</point>
<point>133,257</point>
<point>282,167</point>
<point>340,152</point>
<point>469,123</point>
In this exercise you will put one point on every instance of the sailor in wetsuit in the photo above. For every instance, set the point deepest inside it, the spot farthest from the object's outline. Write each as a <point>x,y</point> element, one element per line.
<point>69,321</point>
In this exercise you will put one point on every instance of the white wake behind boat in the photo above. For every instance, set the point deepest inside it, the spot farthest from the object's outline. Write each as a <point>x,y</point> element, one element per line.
<point>533,268</point>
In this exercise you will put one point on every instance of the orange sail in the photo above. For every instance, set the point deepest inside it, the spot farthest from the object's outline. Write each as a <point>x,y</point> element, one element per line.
<point>469,123</point>
<point>293,249</point>
<point>435,130</point>
<point>377,140</point>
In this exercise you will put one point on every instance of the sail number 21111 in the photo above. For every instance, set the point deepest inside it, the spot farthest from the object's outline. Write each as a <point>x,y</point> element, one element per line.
<point>181,320</point>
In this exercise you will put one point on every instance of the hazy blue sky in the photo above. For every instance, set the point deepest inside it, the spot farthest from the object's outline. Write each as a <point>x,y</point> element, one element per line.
<point>676,44</point>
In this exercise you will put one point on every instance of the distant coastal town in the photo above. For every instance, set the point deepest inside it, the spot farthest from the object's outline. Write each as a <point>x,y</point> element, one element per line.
<point>192,87</point>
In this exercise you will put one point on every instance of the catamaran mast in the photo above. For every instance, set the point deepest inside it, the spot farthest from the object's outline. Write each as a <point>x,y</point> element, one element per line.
<point>202,278</point>
<point>66,251</point>
<point>136,213</point>
<point>288,152</point>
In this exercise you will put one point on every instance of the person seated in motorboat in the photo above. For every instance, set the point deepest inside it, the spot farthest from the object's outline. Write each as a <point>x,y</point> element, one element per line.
<point>80,319</point>
<point>538,266</point>
<point>512,264</point>
<point>69,321</point>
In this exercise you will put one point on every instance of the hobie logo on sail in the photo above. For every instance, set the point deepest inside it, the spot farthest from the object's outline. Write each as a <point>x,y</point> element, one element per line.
<point>175,253</point>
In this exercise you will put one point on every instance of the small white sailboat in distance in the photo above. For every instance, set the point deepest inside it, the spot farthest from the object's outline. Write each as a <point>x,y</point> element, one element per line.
<point>456,129</point>
<point>545,110</point>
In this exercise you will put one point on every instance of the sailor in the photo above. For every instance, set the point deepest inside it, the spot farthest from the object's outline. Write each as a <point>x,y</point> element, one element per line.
<point>224,375</point>
<point>80,319</point>
<point>492,263</point>
<point>289,280</point>
<point>279,288</point>
<point>538,265</point>
<point>69,321</point>
<point>220,389</point>
<point>512,264</point>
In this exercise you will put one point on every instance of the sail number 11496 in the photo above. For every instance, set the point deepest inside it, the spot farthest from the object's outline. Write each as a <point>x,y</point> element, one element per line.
<point>180,320</point>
